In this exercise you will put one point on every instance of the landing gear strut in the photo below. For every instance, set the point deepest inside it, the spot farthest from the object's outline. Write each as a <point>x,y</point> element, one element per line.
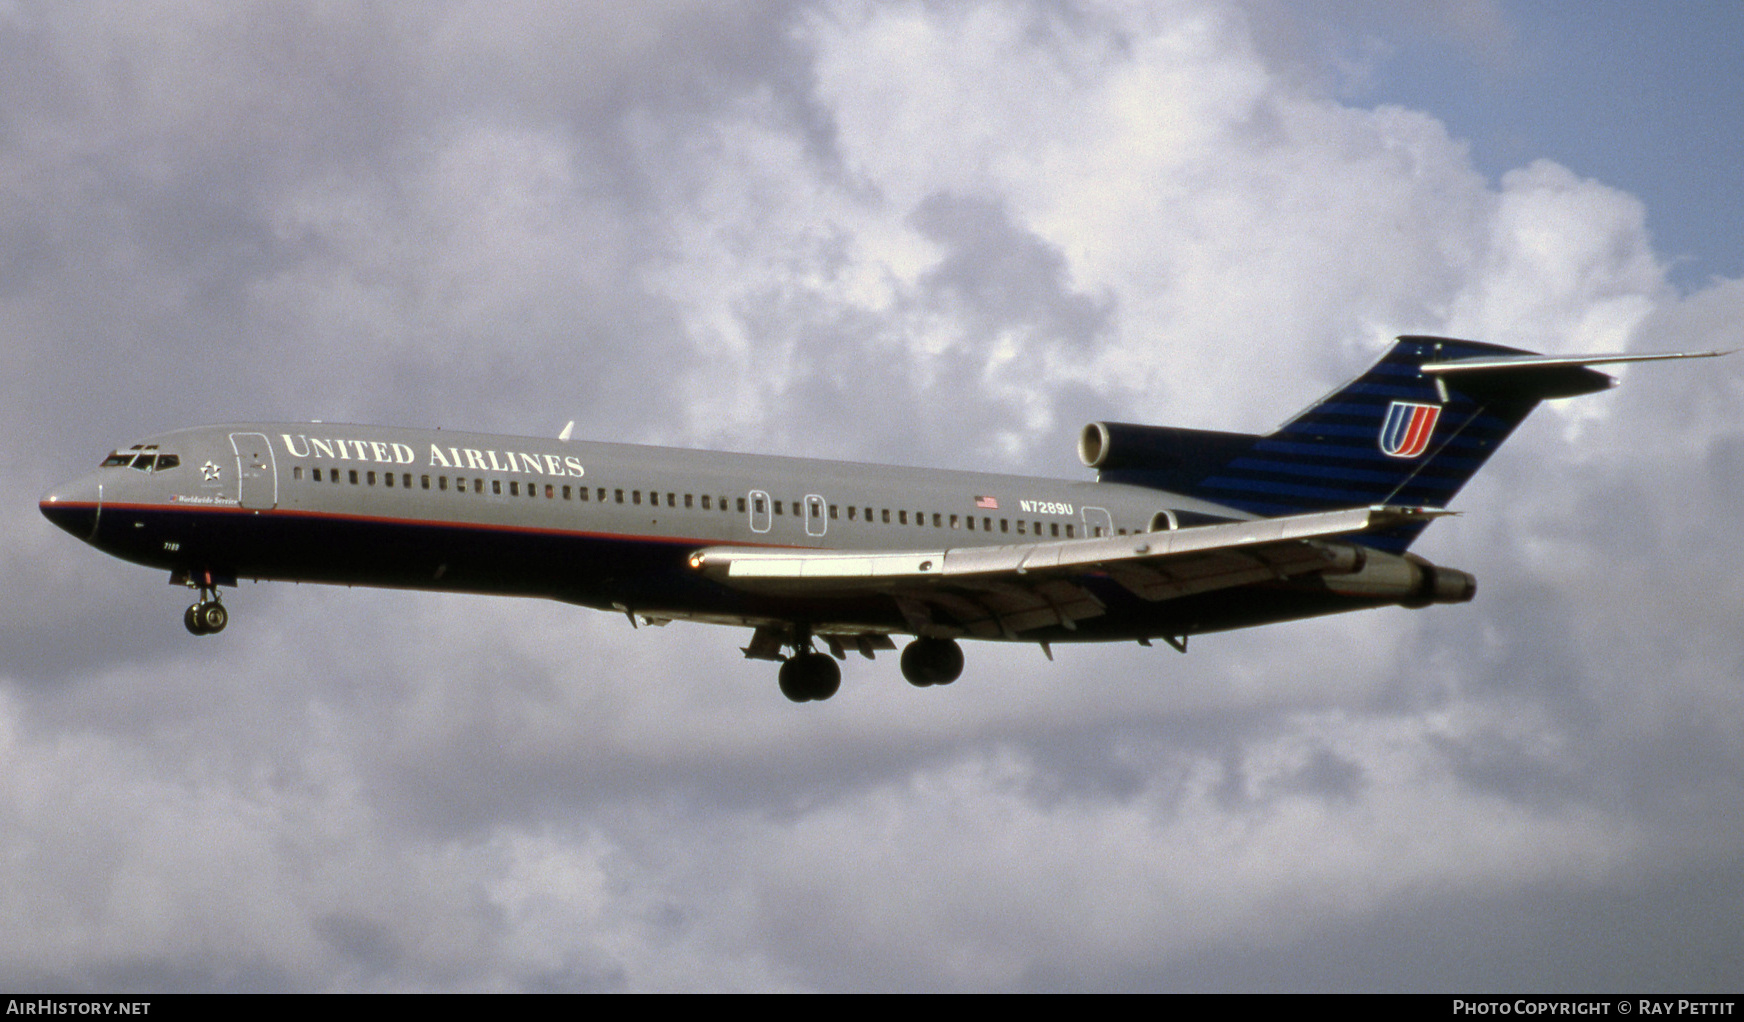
<point>807,675</point>
<point>207,617</point>
<point>932,662</point>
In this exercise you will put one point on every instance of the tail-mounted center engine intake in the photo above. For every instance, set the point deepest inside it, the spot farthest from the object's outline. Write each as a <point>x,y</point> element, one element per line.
<point>1162,456</point>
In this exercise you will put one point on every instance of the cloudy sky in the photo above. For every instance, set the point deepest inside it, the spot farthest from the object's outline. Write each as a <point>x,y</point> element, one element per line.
<point>935,234</point>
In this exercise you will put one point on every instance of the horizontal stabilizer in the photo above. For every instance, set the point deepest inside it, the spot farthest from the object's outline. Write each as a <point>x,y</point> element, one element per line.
<point>1541,377</point>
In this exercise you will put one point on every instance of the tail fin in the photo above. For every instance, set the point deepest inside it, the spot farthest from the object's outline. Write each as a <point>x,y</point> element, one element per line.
<point>1409,431</point>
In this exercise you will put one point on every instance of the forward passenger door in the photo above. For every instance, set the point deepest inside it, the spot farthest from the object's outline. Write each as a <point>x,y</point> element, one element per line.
<point>257,477</point>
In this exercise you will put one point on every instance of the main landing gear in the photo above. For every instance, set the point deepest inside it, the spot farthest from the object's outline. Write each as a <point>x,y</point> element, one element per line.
<point>932,662</point>
<point>208,616</point>
<point>808,676</point>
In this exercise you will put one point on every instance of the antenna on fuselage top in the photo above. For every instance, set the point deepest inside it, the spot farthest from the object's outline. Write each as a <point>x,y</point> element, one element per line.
<point>564,436</point>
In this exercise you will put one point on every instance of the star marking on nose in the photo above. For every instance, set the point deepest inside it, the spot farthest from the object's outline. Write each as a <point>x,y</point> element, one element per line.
<point>209,471</point>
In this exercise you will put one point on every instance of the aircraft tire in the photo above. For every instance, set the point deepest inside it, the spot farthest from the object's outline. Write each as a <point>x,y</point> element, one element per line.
<point>809,677</point>
<point>214,617</point>
<point>792,680</point>
<point>932,662</point>
<point>192,619</point>
<point>824,676</point>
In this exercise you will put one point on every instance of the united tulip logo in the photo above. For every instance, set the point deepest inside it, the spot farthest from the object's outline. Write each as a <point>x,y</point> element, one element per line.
<point>1406,431</point>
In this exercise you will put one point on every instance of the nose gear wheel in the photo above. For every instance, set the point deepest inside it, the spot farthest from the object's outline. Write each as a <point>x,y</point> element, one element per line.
<point>208,616</point>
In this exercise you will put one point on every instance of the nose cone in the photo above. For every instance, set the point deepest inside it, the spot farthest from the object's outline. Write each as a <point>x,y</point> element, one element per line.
<point>75,507</point>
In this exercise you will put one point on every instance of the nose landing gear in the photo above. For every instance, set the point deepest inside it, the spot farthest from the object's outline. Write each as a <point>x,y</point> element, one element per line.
<point>208,616</point>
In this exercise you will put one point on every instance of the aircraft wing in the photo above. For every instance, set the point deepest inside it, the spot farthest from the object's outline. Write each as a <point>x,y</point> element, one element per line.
<point>1000,591</point>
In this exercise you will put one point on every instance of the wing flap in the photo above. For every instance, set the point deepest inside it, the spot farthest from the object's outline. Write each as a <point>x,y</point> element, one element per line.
<point>1204,572</point>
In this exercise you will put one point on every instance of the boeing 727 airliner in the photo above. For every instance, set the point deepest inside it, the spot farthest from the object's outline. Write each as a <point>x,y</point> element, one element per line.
<point>1183,532</point>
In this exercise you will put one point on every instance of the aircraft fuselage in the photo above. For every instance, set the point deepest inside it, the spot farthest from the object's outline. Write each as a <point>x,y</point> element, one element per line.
<point>609,526</point>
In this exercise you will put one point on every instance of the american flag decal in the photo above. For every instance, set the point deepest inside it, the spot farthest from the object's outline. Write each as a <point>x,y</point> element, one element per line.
<point>1406,430</point>
<point>987,503</point>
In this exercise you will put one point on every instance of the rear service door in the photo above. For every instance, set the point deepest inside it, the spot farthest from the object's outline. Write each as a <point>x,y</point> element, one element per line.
<point>1097,522</point>
<point>816,524</point>
<point>759,511</point>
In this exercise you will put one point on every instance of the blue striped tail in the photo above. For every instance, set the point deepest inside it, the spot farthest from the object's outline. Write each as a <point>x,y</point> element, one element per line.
<point>1394,435</point>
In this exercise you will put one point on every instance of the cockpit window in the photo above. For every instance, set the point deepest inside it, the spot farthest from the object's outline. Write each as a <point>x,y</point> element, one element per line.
<point>144,457</point>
